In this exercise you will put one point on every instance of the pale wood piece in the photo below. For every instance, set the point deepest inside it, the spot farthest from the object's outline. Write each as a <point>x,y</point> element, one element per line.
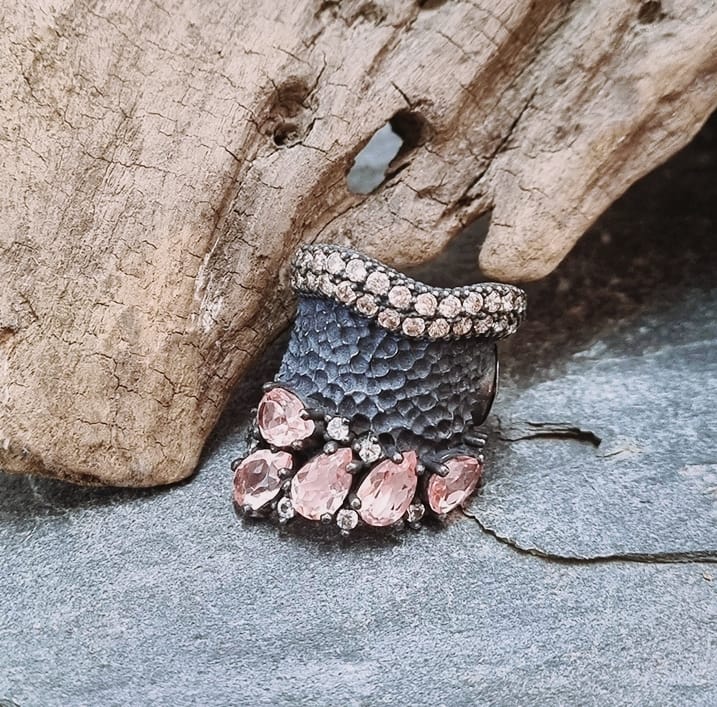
<point>162,160</point>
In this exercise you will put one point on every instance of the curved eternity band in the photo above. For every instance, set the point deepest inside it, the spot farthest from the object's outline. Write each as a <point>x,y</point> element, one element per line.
<point>399,303</point>
<point>373,418</point>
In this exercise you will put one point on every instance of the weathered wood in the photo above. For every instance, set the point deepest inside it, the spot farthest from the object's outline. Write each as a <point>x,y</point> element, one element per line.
<point>161,160</point>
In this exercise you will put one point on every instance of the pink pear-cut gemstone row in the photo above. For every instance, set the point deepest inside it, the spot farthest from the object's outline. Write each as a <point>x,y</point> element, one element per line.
<point>448,492</point>
<point>280,418</point>
<point>320,486</point>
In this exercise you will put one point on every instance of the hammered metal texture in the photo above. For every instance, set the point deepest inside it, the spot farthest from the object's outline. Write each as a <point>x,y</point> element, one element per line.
<point>421,393</point>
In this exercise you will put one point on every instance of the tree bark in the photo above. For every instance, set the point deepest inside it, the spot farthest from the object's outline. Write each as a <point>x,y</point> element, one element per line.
<point>162,159</point>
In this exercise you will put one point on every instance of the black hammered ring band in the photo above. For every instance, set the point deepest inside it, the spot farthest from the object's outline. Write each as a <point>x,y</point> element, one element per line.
<point>374,416</point>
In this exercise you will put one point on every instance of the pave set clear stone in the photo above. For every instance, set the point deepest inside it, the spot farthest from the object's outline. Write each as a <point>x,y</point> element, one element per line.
<point>320,486</point>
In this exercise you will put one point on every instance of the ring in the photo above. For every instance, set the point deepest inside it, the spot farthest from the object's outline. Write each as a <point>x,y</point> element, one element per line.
<point>374,416</point>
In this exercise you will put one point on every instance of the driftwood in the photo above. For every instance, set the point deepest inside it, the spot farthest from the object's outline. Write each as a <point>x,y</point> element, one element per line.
<point>161,161</point>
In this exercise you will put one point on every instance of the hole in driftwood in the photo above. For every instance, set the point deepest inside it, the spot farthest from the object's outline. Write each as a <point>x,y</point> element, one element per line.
<point>405,131</point>
<point>285,133</point>
<point>289,115</point>
<point>649,12</point>
<point>369,168</point>
<point>410,127</point>
<point>430,4</point>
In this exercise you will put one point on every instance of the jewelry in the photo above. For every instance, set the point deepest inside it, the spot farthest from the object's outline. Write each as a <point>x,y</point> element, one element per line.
<point>373,418</point>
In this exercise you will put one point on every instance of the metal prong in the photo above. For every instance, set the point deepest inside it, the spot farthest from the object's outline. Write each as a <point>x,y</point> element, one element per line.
<point>354,467</point>
<point>474,439</point>
<point>435,467</point>
<point>326,518</point>
<point>331,447</point>
<point>354,501</point>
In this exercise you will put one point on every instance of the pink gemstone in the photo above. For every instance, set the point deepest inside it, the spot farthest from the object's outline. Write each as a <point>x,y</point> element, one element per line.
<point>387,491</point>
<point>322,484</point>
<point>448,492</point>
<point>258,478</point>
<point>279,418</point>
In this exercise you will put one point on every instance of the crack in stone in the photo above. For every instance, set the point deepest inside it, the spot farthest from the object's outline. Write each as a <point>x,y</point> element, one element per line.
<point>696,556</point>
<point>548,430</point>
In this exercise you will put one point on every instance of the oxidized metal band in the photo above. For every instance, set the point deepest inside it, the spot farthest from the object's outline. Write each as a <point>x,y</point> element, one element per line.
<point>373,418</point>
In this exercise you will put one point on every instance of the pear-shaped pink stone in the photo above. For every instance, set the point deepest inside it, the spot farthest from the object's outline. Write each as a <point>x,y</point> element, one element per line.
<point>322,484</point>
<point>448,492</point>
<point>387,491</point>
<point>280,420</point>
<point>258,478</point>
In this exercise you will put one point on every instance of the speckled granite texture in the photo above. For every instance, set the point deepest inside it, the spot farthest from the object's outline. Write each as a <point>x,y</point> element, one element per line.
<point>588,574</point>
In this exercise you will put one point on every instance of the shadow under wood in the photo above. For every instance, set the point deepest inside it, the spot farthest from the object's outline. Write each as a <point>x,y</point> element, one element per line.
<point>654,248</point>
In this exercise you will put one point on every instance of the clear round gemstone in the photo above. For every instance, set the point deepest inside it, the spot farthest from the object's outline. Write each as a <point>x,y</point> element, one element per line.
<point>389,319</point>
<point>318,261</point>
<point>356,270</point>
<point>258,478</point>
<point>338,429</point>
<point>426,304</point>
<point>322,484</point>
<point>378,283</point>
<point>368,449</point>
<point>300,260</point>
<point>473,303</point>
<point>450,306</point>
<point>413,326</point>
<point>345,292</point>
<point>448,492</point>
<point>439,328</point>
<point>492,301</point>
<point>400,297</point>
<point>347,519</point>
<point>507,302</point>
<point>326,286</point>
<point>415,512</point>
<point>367,305</point>
<point>462,326</point>
<point>297,280</point>
<point>311,281</point>
<point>388,490</point>
<point>280,418</point>
<point>285,508</point>
<point>484,325</point>
<point>334,263</point>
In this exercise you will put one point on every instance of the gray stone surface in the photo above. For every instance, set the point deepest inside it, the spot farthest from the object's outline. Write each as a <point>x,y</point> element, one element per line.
<point>115,597</point>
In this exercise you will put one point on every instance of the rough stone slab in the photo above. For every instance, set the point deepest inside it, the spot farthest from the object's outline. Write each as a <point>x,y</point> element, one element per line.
<point>649,487</point>
<point>166,598</point>
<point>605,429</point>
